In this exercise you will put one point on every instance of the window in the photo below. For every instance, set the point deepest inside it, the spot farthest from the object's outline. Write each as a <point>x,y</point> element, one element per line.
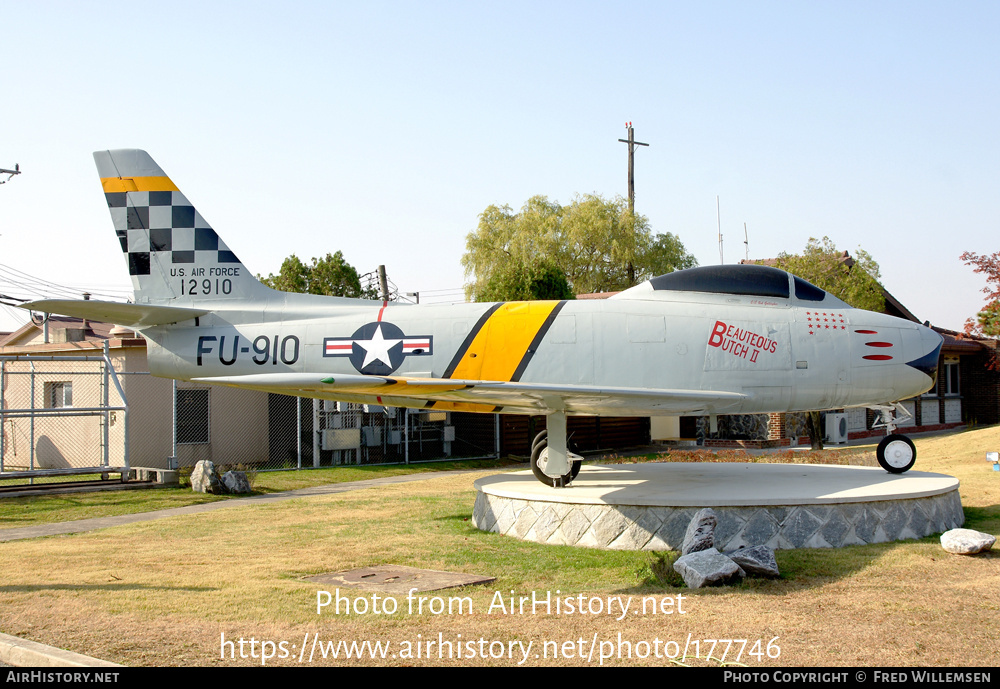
<point>951,376</point>
<point>806,291</point>
<point>192,416</point>
<point>58,395</point>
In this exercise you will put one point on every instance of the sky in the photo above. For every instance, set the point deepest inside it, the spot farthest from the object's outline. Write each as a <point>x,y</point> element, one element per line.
<point>383,130</point>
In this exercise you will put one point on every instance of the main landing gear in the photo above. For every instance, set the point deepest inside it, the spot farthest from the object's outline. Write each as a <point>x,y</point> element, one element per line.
<point>551,462</point>
<point>895,453</point>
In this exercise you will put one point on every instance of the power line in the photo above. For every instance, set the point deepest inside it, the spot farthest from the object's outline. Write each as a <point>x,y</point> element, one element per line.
<point>437,291</point>
<point>442,296</point>
<point>14,280</point>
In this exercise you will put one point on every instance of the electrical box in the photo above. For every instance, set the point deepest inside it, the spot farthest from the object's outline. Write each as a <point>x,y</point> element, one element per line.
<point>430,416</point>
<point>341,439</point>
<point>372,435</point>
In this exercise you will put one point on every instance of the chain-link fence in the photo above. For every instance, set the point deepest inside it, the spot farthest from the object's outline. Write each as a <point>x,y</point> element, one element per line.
<point>269,431</point>
<point>60,416</point>
<point>65,415</point>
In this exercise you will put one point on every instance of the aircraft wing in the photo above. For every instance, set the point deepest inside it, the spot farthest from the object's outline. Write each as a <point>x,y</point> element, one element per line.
<point>575,398</point>
<point>132,315</point>
<point>479,395</point>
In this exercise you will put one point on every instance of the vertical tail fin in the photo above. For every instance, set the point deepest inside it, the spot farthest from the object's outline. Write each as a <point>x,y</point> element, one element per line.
<point>172,253</point>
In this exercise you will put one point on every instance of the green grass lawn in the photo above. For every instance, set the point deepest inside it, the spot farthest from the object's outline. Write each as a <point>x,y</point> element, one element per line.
<point>162,592</point>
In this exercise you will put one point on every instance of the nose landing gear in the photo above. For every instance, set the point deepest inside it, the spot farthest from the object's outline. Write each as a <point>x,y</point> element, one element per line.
<point>895,453</point>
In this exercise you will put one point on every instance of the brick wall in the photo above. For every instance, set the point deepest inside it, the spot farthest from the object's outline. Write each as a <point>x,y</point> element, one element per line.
<point>586,433</point>
<point>980,387</point>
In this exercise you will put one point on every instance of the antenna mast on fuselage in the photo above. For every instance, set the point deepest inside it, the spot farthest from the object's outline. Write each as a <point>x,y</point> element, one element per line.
<point>718,217</point>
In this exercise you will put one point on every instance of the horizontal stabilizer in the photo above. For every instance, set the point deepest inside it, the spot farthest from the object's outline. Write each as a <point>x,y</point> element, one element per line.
<point>132,315</point>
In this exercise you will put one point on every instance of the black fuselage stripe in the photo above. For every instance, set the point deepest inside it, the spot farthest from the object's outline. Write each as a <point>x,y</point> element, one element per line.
<point>468,340</point>
<point>535,342</point>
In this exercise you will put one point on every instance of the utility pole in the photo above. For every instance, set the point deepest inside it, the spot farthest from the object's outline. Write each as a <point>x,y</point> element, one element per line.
<point>10,173</point>
<point>632,143</point>
<point>383,283</point>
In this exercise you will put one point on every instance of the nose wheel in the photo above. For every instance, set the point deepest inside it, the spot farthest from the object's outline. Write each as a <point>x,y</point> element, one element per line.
<point>896,453</point>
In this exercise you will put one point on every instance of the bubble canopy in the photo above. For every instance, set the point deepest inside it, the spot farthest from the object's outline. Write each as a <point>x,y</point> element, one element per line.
<point>749,280</point>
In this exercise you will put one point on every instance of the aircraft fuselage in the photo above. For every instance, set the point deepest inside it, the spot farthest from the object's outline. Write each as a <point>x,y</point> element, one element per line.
<point>779,355</point>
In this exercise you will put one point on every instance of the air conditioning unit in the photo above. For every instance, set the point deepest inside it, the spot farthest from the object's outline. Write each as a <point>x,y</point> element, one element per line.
<point>836,429</point>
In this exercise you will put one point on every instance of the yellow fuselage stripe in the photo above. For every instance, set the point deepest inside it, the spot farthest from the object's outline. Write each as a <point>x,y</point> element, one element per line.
<point>503,341</point>
<point>119,184</point>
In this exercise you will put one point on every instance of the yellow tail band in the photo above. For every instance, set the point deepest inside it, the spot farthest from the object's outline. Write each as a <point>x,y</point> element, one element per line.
<point>119,184</point>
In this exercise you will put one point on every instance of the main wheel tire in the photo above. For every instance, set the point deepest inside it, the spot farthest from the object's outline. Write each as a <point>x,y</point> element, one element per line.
<point>538,462</point>
<point>540,438</point>
<point>896,453</point>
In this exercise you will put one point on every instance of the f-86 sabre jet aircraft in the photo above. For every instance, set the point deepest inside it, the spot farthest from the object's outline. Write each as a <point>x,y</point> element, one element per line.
<point>714,340</point>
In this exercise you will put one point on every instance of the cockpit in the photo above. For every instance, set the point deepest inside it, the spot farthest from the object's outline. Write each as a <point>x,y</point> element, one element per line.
<point>741,280</point>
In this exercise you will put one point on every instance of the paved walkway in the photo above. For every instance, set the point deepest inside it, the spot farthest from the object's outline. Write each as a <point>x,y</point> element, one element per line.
<point>82,525</point>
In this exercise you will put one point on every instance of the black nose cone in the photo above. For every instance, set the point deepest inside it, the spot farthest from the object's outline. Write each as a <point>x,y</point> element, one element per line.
<point>928,363</point>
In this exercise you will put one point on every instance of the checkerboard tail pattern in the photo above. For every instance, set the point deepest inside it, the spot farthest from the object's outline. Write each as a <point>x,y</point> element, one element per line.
<point>163,236</point>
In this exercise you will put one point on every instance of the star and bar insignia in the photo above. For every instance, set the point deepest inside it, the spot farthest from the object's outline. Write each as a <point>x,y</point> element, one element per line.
<point>378,348</point>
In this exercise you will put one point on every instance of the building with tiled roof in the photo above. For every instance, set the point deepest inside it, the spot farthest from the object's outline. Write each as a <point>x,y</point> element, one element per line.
<point>57,363</point>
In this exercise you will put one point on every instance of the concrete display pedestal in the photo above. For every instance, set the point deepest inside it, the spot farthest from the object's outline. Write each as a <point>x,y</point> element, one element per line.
<point>648,506</point>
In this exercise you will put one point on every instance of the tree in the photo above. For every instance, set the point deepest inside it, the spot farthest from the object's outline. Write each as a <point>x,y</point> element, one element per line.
<point>853,280</point>
<point>292,277</point>
<point>597,244</point>
<point>549,282</point>
<point>987,322</point>
<point>518,283</point>
<point>666,254</point>
<point>331,275</point>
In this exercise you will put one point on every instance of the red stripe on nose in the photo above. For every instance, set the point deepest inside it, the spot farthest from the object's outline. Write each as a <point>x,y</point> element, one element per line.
<point>878,344</point>
<point>877,357</point>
